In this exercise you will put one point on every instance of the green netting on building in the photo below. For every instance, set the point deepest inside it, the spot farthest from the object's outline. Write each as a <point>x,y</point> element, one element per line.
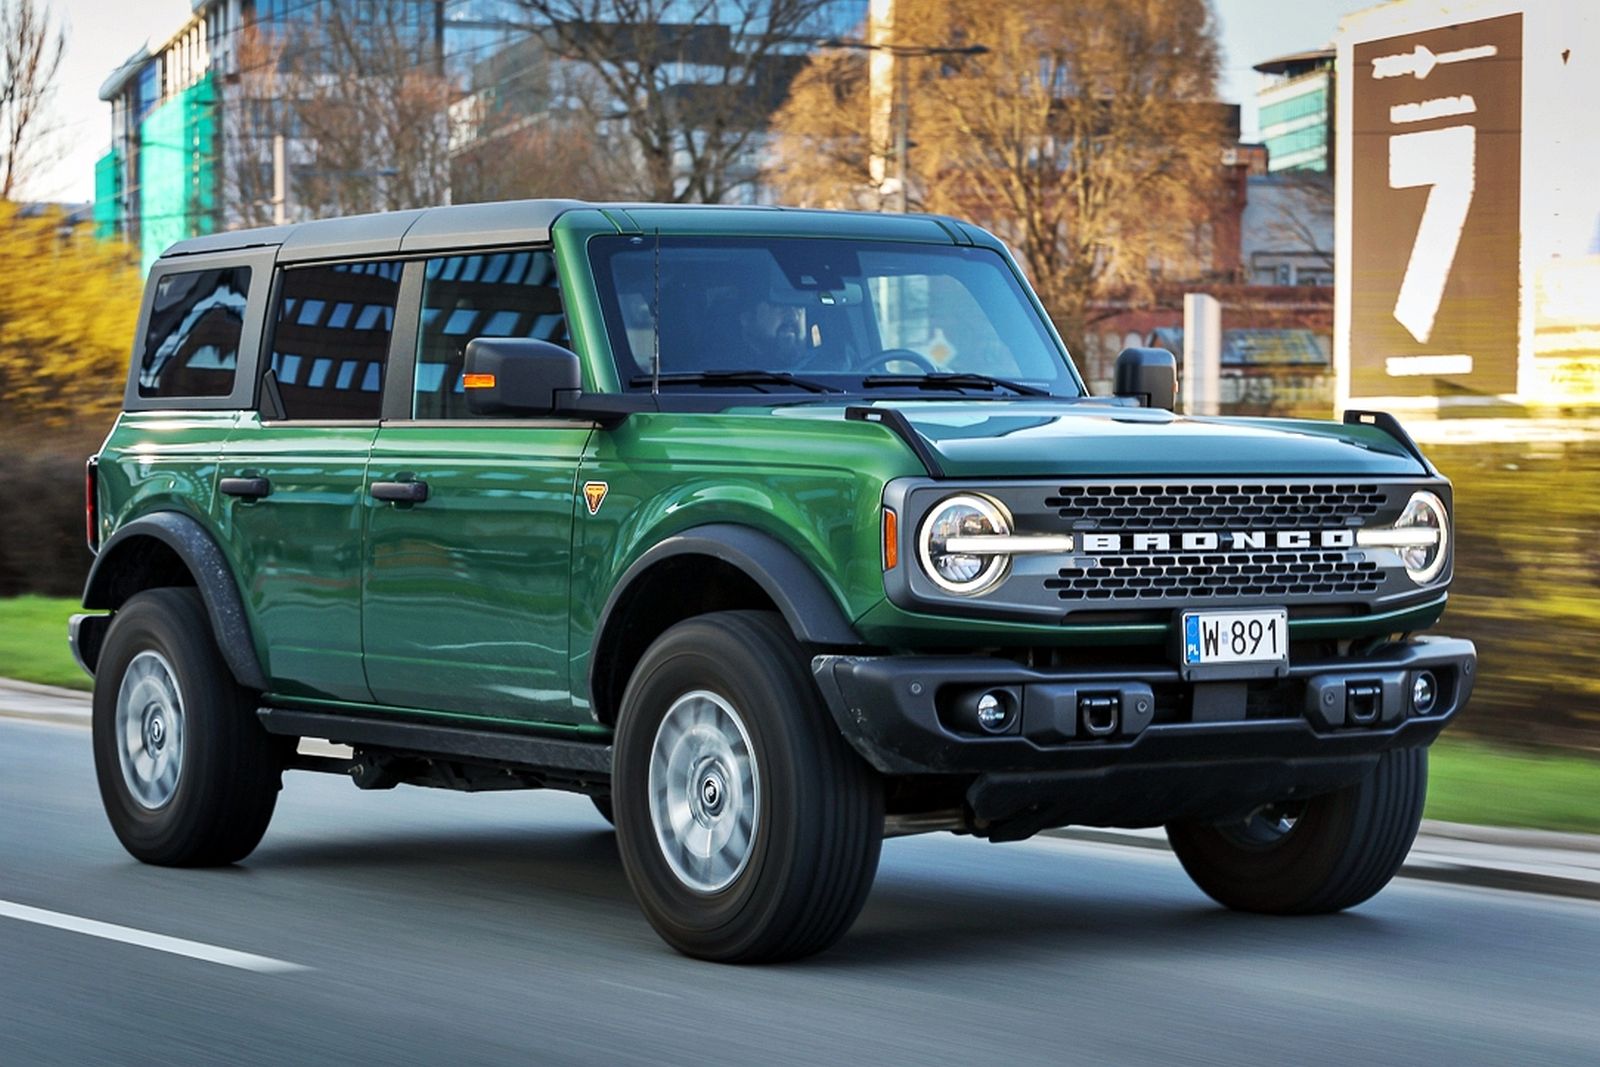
<point>107,195</point>
<point>177,170</point>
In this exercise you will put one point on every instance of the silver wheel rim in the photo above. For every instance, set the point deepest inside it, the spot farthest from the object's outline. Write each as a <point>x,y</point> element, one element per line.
<point>149,728</point>
<point>705,791</point>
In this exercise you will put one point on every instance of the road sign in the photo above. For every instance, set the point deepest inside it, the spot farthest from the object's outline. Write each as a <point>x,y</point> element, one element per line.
<point>1435,162</point>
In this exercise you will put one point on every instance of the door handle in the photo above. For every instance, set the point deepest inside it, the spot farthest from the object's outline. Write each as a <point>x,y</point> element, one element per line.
<point>246,488</point>
<point>400,492</point>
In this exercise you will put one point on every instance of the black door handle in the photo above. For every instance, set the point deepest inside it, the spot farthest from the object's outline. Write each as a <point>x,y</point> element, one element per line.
<point>248,488</point>
<point>400,492</point>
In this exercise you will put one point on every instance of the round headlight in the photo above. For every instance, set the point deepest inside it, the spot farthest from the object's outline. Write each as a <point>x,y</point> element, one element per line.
<point>963,573</point>
<point>1423,561</point>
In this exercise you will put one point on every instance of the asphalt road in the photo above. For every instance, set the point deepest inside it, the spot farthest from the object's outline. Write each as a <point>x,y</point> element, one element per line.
<point>426,927</point>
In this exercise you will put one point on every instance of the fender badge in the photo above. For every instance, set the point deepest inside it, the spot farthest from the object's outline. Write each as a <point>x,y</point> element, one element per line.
<point>594,494</point>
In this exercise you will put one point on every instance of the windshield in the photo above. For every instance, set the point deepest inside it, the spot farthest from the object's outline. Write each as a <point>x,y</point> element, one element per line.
<point>846,314</point>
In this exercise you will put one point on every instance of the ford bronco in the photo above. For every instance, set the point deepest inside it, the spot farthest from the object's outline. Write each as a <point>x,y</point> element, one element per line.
<point>775,532</point>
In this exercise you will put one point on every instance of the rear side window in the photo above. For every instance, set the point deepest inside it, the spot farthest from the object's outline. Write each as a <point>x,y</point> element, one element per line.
<point>330,339</point>
<point>490,294</point>
<point>191,346</point>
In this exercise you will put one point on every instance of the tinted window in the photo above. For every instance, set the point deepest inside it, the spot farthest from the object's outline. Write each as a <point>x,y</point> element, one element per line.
<point>832,310</point>
<point>191,347</point>
<point>330,339</point>
<point>492,294</point>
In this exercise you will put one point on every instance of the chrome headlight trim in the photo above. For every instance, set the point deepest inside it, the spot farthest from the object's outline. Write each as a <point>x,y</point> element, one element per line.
<point>1412,533</point>
<point>996,564</point>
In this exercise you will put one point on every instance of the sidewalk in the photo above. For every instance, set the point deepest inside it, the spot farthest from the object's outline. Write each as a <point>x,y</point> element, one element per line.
<point>1533,861</point>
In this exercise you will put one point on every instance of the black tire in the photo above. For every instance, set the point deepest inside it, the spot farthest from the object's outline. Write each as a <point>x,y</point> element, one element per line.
<point>228,769</point>
<point>817,823</point>
<point>1341,849</point>
<point>603,806</point>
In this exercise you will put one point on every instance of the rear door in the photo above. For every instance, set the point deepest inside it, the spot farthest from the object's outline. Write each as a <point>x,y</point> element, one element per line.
<point>292,490</point>
<point>466,584</point>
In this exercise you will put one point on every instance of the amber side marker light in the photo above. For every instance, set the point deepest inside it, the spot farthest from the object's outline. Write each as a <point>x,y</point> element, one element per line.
<point>477,381</point>
<point>891,539</point>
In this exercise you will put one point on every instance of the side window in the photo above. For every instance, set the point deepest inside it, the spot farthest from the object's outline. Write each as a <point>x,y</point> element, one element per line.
<point>191,347</point>
<point>330,339</point>
<point>488,294</point>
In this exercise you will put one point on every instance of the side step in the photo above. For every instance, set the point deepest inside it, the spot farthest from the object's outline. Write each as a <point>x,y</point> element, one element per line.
<point>585,759</point>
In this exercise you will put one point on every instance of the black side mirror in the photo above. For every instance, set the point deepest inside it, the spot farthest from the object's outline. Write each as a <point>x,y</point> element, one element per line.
<point>1149,375</point>
<point>518,376</point>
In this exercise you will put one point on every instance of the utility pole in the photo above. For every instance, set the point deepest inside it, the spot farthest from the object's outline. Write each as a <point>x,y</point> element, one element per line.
<point>900,107</point>
<point>280,184</point>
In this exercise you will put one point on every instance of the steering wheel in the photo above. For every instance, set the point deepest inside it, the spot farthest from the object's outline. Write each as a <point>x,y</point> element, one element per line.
<point>900,355</point>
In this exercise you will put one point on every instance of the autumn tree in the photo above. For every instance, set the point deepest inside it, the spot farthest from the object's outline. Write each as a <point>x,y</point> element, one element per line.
<point>31,47</point>
<point>690,84</point>
<point>68,304</point>
<point>1085,135</point>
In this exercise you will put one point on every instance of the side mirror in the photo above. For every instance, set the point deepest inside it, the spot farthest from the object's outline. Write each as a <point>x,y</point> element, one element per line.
<point>1149,375</point>
<point>518,376</point>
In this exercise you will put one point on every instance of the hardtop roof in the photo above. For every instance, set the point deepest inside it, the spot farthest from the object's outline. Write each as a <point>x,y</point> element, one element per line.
<point>507,222</point>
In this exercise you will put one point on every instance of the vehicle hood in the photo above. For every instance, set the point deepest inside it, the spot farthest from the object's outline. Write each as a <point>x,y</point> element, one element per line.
<point>1032,438</point>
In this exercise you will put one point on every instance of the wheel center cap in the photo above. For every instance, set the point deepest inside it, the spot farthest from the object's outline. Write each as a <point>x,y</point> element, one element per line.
<point>155,730</point>
<point>711,793</point>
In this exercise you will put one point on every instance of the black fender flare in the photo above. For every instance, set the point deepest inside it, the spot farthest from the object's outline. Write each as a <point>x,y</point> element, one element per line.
<point>200,553</point>
<point>809,610</point>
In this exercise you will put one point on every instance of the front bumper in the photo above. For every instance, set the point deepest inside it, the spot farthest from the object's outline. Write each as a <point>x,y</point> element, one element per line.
<point>1154,748</point>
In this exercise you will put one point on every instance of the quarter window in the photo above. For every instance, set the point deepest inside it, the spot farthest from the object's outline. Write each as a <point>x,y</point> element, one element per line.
<point>490,294</point>
<point>331,339</point>
<point>191,346</point>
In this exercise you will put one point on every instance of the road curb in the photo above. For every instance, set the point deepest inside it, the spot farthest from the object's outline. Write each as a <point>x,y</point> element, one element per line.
<point>1484,857</point>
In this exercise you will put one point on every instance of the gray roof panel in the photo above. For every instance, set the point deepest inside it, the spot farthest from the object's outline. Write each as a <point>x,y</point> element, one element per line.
<point>505,222</point>
<point>357,235</point>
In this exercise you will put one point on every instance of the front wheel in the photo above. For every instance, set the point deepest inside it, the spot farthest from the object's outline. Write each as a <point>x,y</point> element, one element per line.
<point>1314,856</point>
<point>748,828</point>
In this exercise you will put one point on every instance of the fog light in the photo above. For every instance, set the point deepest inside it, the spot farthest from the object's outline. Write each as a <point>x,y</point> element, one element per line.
<point>1424,692</point>
<point>992,712</point>
<point>986,711</point>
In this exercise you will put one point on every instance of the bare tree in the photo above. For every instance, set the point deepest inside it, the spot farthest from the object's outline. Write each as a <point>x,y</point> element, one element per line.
<point>1300,217</point>
<point>690,83</point>
<point>525,130</point>
<point>1085,135</point>
<point>31,47</point>
<point>362,102</point>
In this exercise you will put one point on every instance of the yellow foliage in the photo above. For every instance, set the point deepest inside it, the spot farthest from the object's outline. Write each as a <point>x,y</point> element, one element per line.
<point>68,308</point>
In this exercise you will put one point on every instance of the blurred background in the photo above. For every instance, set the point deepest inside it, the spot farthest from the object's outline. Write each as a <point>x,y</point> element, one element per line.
<point>1318,206</point>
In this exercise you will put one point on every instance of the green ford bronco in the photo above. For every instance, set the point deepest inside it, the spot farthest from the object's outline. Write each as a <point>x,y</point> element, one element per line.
<point>774,532</point>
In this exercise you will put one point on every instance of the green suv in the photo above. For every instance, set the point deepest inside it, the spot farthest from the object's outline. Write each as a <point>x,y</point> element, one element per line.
<point>774,532</point>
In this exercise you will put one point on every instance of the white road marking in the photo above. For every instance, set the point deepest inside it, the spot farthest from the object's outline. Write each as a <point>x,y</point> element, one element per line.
<point>127,935</point>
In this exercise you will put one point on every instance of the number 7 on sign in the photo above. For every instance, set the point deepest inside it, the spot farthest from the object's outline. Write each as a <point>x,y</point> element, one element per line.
<point>1446,160</point>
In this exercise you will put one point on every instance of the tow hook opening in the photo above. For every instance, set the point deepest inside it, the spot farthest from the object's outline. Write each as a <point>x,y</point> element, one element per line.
<point>1363,702</point>
<point>1098,712</point>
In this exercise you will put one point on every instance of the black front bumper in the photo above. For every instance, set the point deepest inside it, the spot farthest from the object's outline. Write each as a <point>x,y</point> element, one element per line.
<point>1171,749</point>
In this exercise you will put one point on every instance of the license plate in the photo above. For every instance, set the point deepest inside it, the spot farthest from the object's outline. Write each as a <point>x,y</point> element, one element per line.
<point>1235,637</point>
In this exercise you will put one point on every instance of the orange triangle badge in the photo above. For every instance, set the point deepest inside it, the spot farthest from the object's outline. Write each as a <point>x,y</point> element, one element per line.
<point>594,494</point>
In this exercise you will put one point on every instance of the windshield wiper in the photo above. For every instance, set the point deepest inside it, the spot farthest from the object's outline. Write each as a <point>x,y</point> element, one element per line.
<point>736,377</point>
<point>963,380</point>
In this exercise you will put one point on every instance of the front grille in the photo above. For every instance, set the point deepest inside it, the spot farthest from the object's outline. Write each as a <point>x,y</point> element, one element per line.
<point>1181,506</point>
<point>1198,576</point>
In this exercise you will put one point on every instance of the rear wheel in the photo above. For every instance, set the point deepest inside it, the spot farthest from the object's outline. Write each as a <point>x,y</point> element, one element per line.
<point>187,775</point>
<point>748,827</point>
<point>1314,856</point>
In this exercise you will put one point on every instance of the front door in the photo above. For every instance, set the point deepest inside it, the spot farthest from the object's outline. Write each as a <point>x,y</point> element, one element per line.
<point>467,580</point>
